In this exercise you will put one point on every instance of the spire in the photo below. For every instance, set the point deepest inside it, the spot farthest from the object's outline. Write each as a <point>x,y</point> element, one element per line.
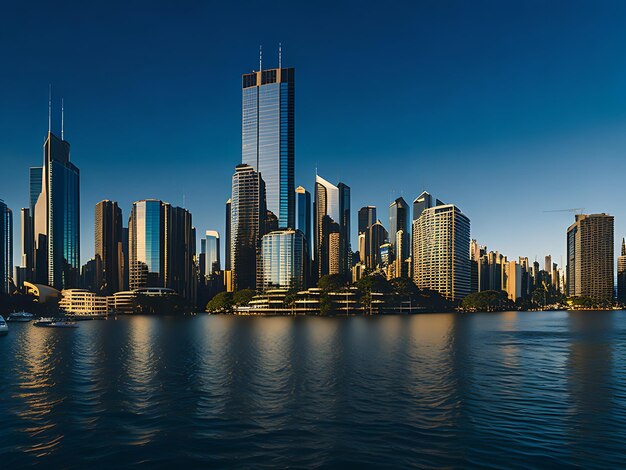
<point>623,247</point>
<point>260,58</point>
<point>49,107</point>
<point>280,55</point>
<point>62,115</point>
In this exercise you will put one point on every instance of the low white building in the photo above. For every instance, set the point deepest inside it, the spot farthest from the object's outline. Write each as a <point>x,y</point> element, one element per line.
<point>82,302</point>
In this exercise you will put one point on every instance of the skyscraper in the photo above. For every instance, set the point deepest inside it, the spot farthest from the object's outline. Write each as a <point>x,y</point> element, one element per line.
<point>621,274</point>
<point>27,243</point>
<point>268,136</point>
<point>247,224</point>
<point>285,260</point>
<point>399,221</point>
<point>441,246</point>
<point>590,257</point>
<point>376,236</point>
<point>179,251</point>
<point>332,206</point>
<point>56,216</point>
<point>146,233</point>
<point>367,217</point>
<point>303,214</point>
<point>109,255</point>
<point>228,238</point>
<point>6,247</point>
<point>212,252</point>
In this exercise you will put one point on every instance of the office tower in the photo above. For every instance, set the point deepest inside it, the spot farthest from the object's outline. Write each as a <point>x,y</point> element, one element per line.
<point>590,257</point>
<point>513,275</point>
<point>376,236</point>
<point>6,247</point>
<point>367,217</point>
<point>386,257</point>
<point>146,234</point>
<point>88,276</point>
<point>547,266</point>
<point>401,265</point>
<point>284,259</point>
<point>227,248</point>
<point>247,224</point>
<point>424,201</point>
<point>344,229</point>
<point>621,274</point>
<point>27,243</point>
<point>126,259</point>
<point>56,216</point>
<point>331,225</point>
<point>212,252</point>
<point>268,133</point>
<point>475,256</point>
<point>399,221</point>
<point>179,251</point>
<point>303,214</point>
<point>441,242</point>
<point>109,254</point>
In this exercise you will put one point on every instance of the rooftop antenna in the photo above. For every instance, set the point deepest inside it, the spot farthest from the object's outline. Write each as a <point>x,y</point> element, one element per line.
<point>62,113</point>
<point>280,55</point>
<point>49,107</point>
<point>260,58</point>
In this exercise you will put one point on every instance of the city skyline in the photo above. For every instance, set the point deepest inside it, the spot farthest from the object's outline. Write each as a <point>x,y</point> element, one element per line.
<point>537,145</point>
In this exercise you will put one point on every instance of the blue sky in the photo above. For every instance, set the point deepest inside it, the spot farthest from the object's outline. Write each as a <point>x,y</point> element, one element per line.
<point>506,109</point>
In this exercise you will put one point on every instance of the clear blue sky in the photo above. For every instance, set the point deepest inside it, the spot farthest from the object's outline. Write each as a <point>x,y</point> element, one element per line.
<point>503,108</point>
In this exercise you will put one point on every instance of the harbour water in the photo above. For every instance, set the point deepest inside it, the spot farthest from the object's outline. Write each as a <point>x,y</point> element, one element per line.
<point>499,390</point>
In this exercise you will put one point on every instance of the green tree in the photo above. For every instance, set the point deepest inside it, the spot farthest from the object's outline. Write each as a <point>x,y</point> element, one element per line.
<point>331,282</point>
<point>488,301</point>
<point>221,303</point>
<point>241,298</point>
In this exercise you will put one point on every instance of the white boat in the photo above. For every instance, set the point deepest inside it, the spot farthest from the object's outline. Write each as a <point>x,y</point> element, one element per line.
<point>55,323</point>
<point>20,317</point>
<point>4,328</point>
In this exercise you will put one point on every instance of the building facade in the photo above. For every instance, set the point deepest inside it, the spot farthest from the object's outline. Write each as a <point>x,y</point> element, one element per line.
<point>590,257</point>
<point>285,260</point>
<point>6,247</point>
<point>303,214</point>
<point>146,233</point>
<point>399,222</point>
<point>109,255</point>
<point>268,137</point>
<point>212,252</point>
<point>621,274</point>
<point>441,247</point>
<point>56,216</point>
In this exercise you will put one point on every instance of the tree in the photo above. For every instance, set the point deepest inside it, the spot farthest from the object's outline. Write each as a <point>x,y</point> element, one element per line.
<point>221,303</point>
<point>372,283</point>
<point>488,301</point>
<point>169,304</point>
<point>331,282</point>
<point>241,298</point>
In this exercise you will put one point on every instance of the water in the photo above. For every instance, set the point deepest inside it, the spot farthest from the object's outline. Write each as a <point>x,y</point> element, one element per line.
<point>504,390</point>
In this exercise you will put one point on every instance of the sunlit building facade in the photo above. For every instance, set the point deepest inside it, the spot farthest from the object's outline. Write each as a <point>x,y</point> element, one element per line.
<point>285,260</point>
<point>621,274</point>
<point>590,257</point>
<point>6,247</point>
<point>268,137</point>
<point>146,232</point>
<point>399,222</point>
<point>441,247</point>
<point>212,252</point>
<point>303,213</point>
<point>56,216</point>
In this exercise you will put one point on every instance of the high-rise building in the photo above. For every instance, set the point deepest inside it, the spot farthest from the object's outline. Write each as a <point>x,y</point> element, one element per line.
<point>212,252</point>
<point>6,247</point>
<point>126,258</point>
<point>621,274</point>
<point>367,218</point>
<point>303,214</point>
<point>513,275</point>
<point>441,248</point>
<point>146,233</point>
<point>248,214</point>
<point>547,265</point>
<point>56,216</point>
<point>268,136</point>
<point>424,201</point>
<point>179,251</point>
<point>27,244</point>
<point>228,238</point>
<point>376,236</point>
<point>285,260</point>
<point>109,255</point>
<point>399,221</point>
<point>590,257</point>
<point>332,207</point>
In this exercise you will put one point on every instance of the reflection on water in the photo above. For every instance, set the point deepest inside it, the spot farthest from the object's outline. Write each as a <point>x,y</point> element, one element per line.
<point>444,390</point>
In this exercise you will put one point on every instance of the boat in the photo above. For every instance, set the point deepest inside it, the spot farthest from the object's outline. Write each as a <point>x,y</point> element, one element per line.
<point>4,328</point>
<point>20,317</point>
<point>55,323</point>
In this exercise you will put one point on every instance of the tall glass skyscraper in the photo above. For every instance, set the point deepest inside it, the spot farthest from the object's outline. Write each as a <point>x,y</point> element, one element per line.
<point>399,222</point>
<point>57,217</point>
<point>6,246</point>
<point>212,252</point>
<point>108,248</point>
<point>284,260</point>
<point>268,135</point>
<point>303,214</point>
<point>146,233</point>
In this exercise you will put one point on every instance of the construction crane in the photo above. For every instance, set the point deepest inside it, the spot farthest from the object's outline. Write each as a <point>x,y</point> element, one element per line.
<point>577,210</point>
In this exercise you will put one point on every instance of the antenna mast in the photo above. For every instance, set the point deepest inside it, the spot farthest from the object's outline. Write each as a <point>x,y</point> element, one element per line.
<point>62,114</point>
<point>280,55</point>
<point>260,58</point>
<point>49,107</point>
